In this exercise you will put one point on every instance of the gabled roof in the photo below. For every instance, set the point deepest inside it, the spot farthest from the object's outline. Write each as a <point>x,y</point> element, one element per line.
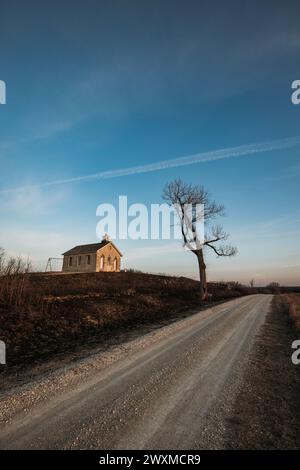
<point>91,248</point>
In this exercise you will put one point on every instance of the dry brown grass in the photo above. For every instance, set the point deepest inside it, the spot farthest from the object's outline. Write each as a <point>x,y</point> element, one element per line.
<point>266,414</point>
<point>45,314</point>
<point>293,301</point>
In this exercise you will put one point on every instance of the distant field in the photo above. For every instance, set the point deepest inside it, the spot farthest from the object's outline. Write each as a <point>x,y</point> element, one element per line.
<point>48,314</point>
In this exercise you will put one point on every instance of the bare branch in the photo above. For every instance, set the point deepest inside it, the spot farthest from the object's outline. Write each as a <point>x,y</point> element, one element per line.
<point>223,250</point>
<point>178,192</point>
<point>216,234</point>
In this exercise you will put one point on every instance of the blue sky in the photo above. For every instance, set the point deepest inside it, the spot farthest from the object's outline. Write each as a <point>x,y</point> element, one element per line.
<point>102,85</point>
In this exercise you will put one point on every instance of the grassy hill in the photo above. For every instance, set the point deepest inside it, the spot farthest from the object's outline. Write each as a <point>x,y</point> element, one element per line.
<point>42,315</point>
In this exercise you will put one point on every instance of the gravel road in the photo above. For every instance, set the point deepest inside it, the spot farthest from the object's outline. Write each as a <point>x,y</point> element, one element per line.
<point>174,390</point>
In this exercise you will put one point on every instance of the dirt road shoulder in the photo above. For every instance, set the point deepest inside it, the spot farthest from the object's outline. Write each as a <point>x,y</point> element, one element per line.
<point>266,414</point>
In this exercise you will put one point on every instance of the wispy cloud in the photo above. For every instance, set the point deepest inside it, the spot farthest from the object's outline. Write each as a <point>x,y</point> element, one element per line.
<point>230,152</point>
<point>32,201</point>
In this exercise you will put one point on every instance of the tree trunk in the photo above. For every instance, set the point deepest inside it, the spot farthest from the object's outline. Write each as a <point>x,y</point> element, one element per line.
<point>202,274</point>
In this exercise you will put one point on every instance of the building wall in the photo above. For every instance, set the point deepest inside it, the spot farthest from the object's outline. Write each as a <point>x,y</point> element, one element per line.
<point>79,263</point>
<point>109,253</point>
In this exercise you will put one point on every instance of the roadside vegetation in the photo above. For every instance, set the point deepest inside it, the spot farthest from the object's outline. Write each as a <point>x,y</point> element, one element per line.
<point>293,301</point>
<point>266,414</point>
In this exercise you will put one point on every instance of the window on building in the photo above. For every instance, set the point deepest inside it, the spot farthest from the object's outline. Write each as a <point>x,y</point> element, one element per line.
<point>88,259</point>
<point>79,260</point>
<point>109,260</point>
<point>115,264</point>
<point>102,262</point>
<point>70,261</point>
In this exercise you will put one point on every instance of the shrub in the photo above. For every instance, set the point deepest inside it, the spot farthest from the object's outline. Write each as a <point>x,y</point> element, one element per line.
<point>13,280</point>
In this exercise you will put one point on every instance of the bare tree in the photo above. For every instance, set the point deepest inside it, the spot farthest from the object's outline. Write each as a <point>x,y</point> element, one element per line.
<point>2,254</point>
<point>251,282</point>
<point>13,276</point>
<point>274,287</point>
<point>182,195</point>
<point>273,284</point>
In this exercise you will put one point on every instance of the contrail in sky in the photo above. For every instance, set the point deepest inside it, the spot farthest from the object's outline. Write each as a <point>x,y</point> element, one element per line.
<point>230,152</point>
